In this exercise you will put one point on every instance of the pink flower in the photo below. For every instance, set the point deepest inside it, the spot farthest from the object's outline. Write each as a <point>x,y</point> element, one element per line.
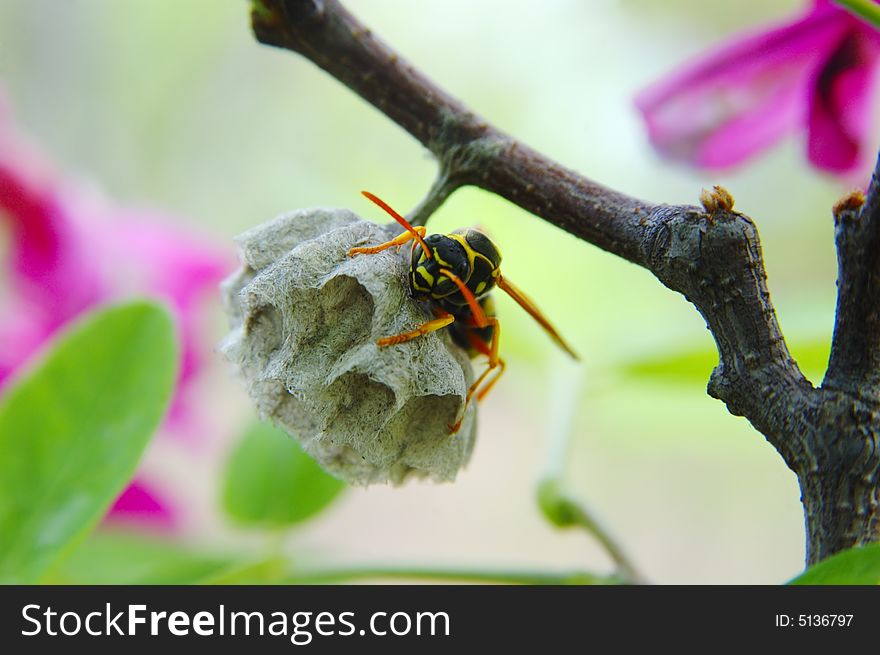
<point>69,250</point>
<point>816,72</point>
<point>142,506</point>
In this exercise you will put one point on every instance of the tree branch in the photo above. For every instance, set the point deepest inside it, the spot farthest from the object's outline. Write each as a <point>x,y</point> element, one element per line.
<point>469,150</point>
<point>711,255</point>
<point>854,365</point>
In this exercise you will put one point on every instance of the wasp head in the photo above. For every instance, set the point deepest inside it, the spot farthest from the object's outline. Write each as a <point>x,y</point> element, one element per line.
<point>469,254</point>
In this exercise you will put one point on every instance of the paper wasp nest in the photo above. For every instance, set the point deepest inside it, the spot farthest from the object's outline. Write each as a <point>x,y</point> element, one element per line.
<point>305,318</point>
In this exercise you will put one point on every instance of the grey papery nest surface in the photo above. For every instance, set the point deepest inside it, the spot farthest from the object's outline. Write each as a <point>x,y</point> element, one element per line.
<point>305,318</point>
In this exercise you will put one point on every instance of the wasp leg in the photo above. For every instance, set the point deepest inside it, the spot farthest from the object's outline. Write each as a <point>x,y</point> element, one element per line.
<point>444,319</point>
<point>396,241</point>
<point>479,317</point>
<point>491,383</point>
<point>495,363</point>
<point>418,233</point>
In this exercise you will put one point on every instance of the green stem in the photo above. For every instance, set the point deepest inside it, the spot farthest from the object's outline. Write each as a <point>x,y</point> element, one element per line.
<point>319,575</point>
<point>440,190</point>
<point>260,10</point>
<point>568,389</point>
<point>565,512</point>
<point>266,571</point>
<point>556,504</point>
<point>275,538</point>
<point>865,9</point>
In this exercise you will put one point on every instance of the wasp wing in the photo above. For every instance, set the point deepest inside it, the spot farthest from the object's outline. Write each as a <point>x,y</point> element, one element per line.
<point>533,311</point>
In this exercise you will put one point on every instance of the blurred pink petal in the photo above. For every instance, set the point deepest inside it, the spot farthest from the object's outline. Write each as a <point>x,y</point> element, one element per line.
<point>68,250</point>
<point>839,123</point>
<point>141,505</point>
<point>742,98</point>
<point>21,334</point>
<point>46,250</point>
<point>183,271</point>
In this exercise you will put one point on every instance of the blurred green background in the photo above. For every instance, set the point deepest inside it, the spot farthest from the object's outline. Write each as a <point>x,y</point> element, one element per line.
<point>173,105</point>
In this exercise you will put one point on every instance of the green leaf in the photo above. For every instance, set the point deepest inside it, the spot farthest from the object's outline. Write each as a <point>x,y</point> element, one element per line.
<point>686,367</point>
<point>693,367</point>
<point>271,482</point>
<point>865,9</point>
<point>121,558</point>
<point>856,566</point>
<point>73,428</point>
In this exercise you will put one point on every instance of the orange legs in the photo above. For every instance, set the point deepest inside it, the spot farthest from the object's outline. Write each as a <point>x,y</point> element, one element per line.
<point>417,233</point>
<point>443,319</point>
<point>404,237</point>
<point>495,364</point>
<point>483,384</point>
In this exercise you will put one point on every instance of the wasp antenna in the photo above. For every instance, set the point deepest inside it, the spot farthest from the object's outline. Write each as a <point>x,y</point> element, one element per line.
<point>400,219</point>
<point>479,316</point>
<point>530,307</point>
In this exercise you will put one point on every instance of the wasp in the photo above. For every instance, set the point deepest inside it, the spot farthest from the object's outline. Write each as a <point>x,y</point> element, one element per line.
<point>456,272</point>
